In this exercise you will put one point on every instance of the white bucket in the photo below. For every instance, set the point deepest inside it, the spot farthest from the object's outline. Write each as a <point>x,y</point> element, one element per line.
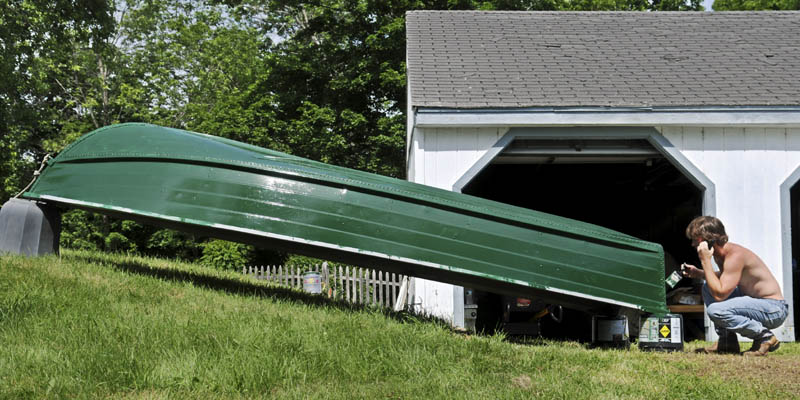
<point>312,283</point>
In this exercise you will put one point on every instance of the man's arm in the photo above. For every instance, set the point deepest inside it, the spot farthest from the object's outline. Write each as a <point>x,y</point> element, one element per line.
<point>691,271</point>
<point>721,286</point>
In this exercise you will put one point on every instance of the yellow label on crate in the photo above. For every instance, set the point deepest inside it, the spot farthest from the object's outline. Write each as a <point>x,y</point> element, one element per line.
<point>664,331</point>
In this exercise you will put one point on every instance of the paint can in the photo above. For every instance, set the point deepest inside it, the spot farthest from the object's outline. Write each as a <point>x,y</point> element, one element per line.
<point>674,278</point>
<point>312,283</point>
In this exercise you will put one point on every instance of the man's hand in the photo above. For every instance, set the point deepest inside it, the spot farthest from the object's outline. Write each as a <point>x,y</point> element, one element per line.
<point>704,251</point>
<point>690,271</point>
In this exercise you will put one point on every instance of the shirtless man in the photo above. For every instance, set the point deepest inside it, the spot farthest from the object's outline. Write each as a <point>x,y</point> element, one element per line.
<point>743,296</point>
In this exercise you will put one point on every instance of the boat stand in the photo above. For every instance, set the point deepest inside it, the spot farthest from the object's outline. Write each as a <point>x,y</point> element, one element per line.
<point>29,228</point>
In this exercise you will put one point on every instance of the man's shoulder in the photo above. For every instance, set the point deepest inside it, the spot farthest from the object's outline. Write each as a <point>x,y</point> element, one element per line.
<point>737,255</point>
<point>736,249</point>
<point>740,255</point>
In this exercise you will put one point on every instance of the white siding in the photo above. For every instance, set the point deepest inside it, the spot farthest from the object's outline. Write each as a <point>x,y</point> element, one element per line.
<point>451,153</point>
<point>438,158</point>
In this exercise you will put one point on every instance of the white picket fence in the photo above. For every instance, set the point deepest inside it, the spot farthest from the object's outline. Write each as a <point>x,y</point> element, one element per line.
<point>352,284</point>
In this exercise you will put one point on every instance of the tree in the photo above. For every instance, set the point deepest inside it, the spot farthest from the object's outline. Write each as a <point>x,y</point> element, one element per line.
<point>742,5</point>
<point>336,86</point>
<point>337,81</point>
<point>33,35</point>
<point>71,67</point>
<point>177,63</point>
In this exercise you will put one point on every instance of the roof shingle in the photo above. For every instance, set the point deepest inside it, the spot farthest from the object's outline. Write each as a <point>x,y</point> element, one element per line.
<point>476,59</point>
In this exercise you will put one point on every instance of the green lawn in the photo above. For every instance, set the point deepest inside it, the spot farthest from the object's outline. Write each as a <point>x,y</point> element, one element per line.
<point>90,325</point>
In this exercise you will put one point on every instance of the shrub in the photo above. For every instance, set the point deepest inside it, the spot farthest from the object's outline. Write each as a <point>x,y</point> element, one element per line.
<point>79,231</point>
<point>221,254</point>
<point>117,242</point>
<point>167,243</point>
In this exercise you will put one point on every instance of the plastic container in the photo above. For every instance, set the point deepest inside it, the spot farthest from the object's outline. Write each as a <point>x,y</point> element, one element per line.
<point>312,283</point>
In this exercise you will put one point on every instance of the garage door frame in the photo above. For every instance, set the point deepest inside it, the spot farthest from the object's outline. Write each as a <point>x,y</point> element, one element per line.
<point>658,141</point>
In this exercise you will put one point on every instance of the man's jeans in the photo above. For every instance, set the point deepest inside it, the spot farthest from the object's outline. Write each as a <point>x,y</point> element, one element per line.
<point>747,316</point>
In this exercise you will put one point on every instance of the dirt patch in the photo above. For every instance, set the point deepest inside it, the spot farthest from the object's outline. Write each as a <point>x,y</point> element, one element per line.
<point>522,381</point>
<point>781,373</point>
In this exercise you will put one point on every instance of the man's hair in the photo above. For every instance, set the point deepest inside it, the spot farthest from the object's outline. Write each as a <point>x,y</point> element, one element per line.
<point>708,228</point>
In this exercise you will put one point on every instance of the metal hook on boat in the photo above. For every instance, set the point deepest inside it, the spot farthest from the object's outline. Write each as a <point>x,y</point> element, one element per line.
<point>560,313</point>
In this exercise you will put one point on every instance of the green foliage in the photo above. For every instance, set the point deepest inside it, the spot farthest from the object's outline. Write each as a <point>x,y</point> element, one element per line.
<point>82,230</point>
<point>37,38</point>
<point>14,168</point>
<point>164,61</point>
<point>167,243</point>
<point>89,231</point>
<point>116,242</point>
<point>337,81</point>
<point>224,255</point>
<point>753,5</point>
<point>631,5</point>
<point>305,263</point>
<point>79,231</point>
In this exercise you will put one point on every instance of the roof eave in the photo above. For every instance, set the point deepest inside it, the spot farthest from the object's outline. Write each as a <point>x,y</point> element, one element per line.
<point>739,116</point>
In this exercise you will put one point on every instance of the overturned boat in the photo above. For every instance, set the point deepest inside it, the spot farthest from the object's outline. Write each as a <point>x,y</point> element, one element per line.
<point>221,188</point>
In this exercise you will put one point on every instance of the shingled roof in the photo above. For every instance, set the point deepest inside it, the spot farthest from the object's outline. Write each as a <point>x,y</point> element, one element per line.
<point>474,59</point>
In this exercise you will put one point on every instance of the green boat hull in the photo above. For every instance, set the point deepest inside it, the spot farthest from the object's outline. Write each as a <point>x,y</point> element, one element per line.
<point>221,188</point>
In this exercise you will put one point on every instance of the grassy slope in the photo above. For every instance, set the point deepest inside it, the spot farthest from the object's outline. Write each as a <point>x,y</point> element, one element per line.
<point>94,325</point>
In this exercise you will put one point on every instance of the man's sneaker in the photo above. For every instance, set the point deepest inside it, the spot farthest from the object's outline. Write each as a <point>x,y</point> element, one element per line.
<point>728,344</point>
<point>763,346</point>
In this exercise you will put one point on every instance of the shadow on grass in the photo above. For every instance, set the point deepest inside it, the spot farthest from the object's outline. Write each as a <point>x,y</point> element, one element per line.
<point>234,286</point>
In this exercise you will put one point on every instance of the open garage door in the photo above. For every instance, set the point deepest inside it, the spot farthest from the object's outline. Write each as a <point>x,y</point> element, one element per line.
<point>625,185</point>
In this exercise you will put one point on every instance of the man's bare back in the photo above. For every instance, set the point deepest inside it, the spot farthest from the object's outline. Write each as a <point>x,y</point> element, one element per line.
<point>756,279</point>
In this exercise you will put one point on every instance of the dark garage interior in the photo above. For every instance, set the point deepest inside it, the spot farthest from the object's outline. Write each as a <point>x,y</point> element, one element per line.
<point>626,186</point>
<point>794,206</point>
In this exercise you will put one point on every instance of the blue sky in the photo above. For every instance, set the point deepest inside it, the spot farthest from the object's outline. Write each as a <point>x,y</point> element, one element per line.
<point>707,4</point>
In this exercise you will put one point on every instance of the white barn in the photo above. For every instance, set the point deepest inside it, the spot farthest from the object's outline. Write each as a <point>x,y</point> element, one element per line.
<point>634,121</point>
